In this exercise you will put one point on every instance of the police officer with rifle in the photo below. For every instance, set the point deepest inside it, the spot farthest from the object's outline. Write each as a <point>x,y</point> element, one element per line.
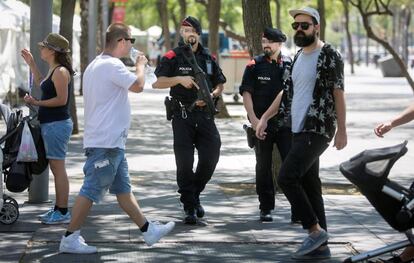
<point>195,81</point>
<point>262,81</point>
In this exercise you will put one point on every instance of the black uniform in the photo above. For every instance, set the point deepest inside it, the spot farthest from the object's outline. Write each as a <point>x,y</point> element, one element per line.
<point>192,129</point>
<point>263,79</point>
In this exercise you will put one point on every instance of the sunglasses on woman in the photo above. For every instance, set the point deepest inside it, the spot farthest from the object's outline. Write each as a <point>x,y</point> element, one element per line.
<point>303,25</point>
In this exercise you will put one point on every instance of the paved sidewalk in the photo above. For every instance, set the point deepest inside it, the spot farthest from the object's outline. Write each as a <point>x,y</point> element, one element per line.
<point>230,231</point>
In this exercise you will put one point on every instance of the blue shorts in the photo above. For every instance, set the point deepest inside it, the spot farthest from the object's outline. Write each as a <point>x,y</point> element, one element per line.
<point>56,137</point>
<point>105,169</point>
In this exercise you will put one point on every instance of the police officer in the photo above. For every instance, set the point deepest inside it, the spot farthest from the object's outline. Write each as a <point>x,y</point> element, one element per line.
<point>263,80</point>
<point>193,127</point>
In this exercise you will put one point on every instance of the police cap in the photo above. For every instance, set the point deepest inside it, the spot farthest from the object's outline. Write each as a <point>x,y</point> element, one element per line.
<point>274,34</point>
<point>193,22</point>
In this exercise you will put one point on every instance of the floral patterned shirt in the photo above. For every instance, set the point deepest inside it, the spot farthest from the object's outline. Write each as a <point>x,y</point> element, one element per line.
<point>321,116</point>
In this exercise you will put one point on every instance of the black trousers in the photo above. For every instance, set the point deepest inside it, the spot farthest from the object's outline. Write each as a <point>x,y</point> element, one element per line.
<point>299,178</point>
<point>197,131</point>
<point>264,179</point>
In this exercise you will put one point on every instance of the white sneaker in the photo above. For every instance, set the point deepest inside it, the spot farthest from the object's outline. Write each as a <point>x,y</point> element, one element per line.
<point>75,244</point>
<point>156,231</point>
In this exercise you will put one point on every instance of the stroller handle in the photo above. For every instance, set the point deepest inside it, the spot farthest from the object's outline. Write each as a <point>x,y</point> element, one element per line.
<point>33,111</point>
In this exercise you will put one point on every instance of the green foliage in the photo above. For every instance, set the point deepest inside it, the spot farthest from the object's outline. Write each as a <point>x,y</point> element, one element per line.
<point>143,14</point>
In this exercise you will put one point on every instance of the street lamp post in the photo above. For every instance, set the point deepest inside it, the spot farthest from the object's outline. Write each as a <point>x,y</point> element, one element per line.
<point>40,26</point>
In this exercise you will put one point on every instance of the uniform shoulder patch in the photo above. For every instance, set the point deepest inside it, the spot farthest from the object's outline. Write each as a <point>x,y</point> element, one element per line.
<point>251,63</point>
<point>170,54</point>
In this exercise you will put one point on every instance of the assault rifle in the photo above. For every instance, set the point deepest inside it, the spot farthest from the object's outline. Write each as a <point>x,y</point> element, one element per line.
<point>203,92</point>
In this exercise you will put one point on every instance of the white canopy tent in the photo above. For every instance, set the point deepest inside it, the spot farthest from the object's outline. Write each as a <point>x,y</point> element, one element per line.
<point>14,36</point>
<point>154,32</point>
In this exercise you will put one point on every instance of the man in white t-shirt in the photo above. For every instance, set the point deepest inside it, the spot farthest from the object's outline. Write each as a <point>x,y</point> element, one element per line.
<point>107,120</point>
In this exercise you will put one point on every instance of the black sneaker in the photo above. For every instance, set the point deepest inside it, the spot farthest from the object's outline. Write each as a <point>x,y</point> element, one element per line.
<point>200,211</point>
<point>265,216</point>
<point>190,217</point>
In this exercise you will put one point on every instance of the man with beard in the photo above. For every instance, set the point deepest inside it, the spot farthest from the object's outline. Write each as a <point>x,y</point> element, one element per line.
<point>193,127</point>
<point>263,79</point>
<point>315,106</point>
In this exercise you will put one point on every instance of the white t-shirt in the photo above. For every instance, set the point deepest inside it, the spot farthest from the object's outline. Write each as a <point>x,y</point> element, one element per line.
<point>107,111</point>
<point>304,79</point>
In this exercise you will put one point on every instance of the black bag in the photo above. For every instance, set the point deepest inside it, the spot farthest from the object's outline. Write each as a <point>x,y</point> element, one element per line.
<point>18,177</point>
<point>42,162</point>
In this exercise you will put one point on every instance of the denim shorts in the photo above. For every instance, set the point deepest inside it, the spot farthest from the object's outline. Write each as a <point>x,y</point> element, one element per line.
<point>56,137</point>
<point>105,169</point>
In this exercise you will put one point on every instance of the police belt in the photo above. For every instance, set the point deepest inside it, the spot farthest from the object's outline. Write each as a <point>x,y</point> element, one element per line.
<point>179,106</point>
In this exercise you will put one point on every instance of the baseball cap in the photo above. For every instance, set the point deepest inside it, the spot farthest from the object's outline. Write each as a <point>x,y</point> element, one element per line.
<point>306,11</point>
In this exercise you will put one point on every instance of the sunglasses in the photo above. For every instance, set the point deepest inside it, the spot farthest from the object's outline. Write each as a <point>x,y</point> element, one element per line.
<point>130,39</point>
<point>303,25</point>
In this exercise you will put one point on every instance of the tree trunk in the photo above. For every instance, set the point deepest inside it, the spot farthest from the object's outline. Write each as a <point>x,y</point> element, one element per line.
<point>221,107</point>
<point>83,40</point>
<point>177,25</point>
<point>67,11</point>
<point>163,13</point>
<point>99,39</point>
<point>321,10</point>
<point>256,16</point>
<point>183,13</point>
<point>213,13</point>
<point>278,10</point>
<point>394,28</point>
<point>406,26</point>
<point>359,45</point>
<point>348,35</point>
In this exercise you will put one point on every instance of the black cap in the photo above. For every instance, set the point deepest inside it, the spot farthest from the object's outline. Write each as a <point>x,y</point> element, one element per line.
<point>274,34</point>
<point>193,22</point>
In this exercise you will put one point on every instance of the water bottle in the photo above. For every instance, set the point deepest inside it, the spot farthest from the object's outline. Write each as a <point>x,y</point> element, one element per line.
<point>133,54</point>
<point>150,77</point>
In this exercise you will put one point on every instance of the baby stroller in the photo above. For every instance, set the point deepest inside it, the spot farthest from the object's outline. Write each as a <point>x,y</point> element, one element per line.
<point>17,175</point>
<point>369,171</point>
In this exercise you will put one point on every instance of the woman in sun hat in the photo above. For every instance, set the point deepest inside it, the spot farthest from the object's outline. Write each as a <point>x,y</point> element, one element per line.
<point>54,117</point>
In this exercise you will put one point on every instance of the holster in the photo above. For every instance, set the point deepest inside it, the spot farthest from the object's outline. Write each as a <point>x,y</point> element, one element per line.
<point>169,107</point>
<point>251,136</point>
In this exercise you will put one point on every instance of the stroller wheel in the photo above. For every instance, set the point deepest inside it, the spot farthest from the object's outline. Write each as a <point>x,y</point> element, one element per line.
<point>9,213</point>
<point>8,199</point>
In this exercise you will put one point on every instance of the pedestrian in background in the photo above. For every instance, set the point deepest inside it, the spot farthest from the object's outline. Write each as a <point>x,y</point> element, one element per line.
<point>54,116</point>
